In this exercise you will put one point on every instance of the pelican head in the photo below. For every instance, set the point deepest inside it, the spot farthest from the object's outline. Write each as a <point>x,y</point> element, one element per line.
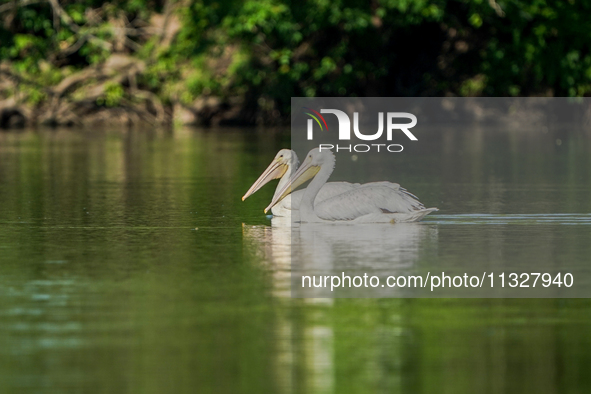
<point>284,159</point>
<point>315,160</point>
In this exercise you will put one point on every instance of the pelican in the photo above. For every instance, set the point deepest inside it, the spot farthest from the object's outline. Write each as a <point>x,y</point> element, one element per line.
<point>284,166</point>
<point>374,202</point>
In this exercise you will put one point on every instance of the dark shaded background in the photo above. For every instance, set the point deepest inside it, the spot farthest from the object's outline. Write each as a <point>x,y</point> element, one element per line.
<point>239,62</point>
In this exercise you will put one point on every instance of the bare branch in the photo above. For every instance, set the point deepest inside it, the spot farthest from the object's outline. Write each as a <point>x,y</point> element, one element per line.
<point>14,4</point>
<point>4,69</point>
<point>63,15</point>
<point>495,6</point>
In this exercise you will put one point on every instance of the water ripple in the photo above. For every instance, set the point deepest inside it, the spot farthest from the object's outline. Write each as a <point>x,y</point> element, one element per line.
<point>513,219</point>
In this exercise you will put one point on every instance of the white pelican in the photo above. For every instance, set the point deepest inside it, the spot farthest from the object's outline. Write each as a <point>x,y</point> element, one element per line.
<point>283,166</point>
<point>374,202</point>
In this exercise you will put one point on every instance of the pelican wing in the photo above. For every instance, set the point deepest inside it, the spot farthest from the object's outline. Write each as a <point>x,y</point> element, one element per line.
<point>332,189</point>
<point>376,197</point>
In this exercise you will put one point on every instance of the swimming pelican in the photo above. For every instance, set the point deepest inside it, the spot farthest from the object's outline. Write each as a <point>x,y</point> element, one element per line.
<point>283,166</point>
<point>373,202</point>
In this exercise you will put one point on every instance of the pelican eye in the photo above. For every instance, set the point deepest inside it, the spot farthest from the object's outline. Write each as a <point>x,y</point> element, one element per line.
<point>281,156</point>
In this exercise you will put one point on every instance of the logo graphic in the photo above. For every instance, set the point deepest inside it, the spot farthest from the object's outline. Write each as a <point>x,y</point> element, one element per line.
<point>345,128</point>
<point>316,119</point>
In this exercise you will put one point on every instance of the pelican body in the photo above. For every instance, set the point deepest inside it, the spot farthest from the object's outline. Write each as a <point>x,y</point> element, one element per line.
<point>373,202</point>
<point>284,166</point>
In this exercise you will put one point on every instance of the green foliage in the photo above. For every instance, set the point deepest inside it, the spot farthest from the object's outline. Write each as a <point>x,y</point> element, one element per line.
<point>112,95</point>
<point>543,45</point>
<point>276,49</point>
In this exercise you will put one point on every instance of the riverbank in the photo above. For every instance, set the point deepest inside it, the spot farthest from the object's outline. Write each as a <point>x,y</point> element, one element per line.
<point>108,94</point>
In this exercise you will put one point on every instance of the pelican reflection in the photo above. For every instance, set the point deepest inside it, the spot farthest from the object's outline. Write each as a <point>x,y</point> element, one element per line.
<point>291,250</point>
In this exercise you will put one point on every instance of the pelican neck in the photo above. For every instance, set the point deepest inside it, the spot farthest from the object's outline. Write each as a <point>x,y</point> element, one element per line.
<point>292,166</point>
<point>307,212</point>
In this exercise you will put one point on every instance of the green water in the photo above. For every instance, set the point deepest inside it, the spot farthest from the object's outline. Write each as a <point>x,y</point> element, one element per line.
<point>128,264</point>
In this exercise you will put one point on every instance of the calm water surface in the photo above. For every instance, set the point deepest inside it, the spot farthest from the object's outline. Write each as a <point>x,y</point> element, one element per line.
<point>128,264</point>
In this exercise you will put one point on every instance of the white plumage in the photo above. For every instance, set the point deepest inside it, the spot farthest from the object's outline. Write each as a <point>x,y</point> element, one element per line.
<point>283,166</point>
<point>368,203</point>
